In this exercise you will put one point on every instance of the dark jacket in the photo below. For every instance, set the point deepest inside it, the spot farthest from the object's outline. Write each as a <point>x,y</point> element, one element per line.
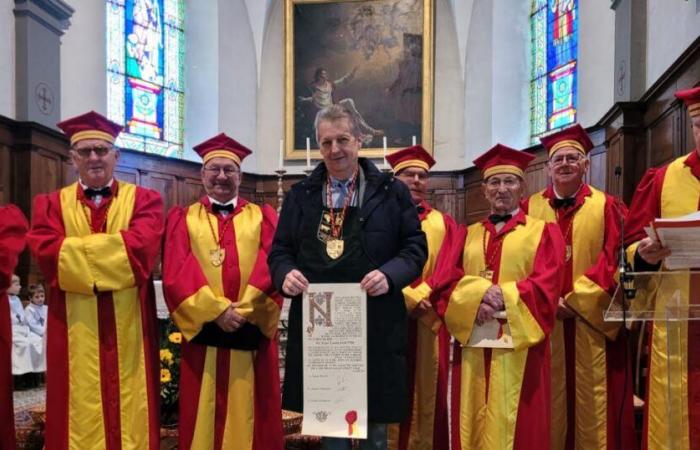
<point>393,241</point>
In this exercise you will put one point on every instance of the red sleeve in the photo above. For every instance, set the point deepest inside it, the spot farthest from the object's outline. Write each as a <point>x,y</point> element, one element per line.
<point>448,267</point>
<point>47,234</point>
<point>13,228</point>
<point>645,205</point>
<point>541,290</point>
<point>143,237</point>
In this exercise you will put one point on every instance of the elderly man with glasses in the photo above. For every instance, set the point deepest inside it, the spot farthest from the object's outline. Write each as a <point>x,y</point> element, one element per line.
<point>96,242</point>
<point>591,400</point>
<point>218,289</point>
<point>502,312</point>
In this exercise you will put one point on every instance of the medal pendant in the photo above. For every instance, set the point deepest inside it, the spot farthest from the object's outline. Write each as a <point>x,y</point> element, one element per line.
<point>334,248</point>
<point>568,253</point>
<point>488,274</point>
<point>217,256</point>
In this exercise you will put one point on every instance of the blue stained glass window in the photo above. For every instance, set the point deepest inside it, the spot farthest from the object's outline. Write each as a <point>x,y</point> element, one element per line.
<point>553,77</point>
<point>145,79</point>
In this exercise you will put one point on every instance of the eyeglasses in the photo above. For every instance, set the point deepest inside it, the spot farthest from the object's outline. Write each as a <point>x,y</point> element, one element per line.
<point>228,171</point>
<point>495,183</point>
<point>100,151</point>
<point>570,159</point>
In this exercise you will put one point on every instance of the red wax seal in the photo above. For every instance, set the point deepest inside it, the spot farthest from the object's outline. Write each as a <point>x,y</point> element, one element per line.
<point>350,418</point>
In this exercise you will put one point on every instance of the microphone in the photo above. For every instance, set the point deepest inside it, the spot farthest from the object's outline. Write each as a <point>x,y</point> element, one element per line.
<point>624,267</point>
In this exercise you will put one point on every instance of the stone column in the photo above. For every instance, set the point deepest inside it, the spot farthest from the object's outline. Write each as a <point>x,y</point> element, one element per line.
<point>630,49</point>
<point>39,25</point>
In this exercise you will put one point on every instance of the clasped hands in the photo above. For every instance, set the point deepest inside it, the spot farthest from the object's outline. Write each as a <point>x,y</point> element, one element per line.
<point>374,283</point>
<point>491,303</point>
<point>230,320</point>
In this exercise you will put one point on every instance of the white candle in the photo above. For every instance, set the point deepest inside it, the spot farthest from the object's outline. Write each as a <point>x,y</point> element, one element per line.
<point>384,143</point>
<point>281,161</point>
<point>413,140</point>
<point>308,153</point>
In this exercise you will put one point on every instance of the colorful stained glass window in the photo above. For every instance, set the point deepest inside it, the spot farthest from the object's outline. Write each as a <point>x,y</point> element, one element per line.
<point>145,79</point>
<point>554,46</point>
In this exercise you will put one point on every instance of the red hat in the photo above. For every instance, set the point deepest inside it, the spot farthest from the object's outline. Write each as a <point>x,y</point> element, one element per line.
<point>691,97</point>
<point>574,136</point>
<point>415,156</point>
<point>222,146</point>
<point>502,159</point>
<point>90,126</point>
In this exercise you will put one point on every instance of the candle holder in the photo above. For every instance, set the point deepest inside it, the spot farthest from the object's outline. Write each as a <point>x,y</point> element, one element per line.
<point>280,191</point>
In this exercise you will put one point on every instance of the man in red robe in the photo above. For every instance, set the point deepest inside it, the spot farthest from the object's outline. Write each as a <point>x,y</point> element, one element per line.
<point>591,373</point>
<point>426,300</point>
<point>13,227</point>
<point>502,312</point>
<point>218,289</point>
<point>96,242</point>
<point>671,409</point>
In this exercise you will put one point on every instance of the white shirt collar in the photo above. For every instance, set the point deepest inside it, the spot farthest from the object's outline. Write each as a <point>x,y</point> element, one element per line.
<point>85,186</point>
<point>556,194</point>
<point>233,201</point>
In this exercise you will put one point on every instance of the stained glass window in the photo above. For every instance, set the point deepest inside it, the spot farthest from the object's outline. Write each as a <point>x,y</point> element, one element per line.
<point>145,79</point>
<point>554,46</point>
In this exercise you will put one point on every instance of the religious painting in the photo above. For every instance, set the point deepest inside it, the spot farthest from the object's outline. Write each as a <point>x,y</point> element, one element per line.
<point>374,57</point>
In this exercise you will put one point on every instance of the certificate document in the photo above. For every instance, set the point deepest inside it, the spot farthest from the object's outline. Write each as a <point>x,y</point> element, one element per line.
<point>335,360</point>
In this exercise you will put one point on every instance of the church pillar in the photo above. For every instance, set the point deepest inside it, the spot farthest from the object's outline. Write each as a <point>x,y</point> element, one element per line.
<point>624,124</point>
<point>39,25</point>
<point>630,49</point>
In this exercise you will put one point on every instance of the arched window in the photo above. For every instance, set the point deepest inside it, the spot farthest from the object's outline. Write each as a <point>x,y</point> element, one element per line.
<point>554,47</point>
<point>145,79</point>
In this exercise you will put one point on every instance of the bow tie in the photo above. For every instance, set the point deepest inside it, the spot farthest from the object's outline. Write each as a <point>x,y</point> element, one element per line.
<point>92,193</point>
<point>563,202</point>
<point>217,208</point>
<point>420,209</point>
<point>497,218</point>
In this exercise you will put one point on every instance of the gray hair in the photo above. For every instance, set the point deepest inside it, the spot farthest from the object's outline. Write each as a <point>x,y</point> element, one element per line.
<point>336,112</point>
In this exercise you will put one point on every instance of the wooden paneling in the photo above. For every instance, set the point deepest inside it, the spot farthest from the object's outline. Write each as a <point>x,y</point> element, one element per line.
<point>663,139</point>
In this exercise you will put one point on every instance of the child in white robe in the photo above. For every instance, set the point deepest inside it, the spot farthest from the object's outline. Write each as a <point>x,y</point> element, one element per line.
<point>35,313</point>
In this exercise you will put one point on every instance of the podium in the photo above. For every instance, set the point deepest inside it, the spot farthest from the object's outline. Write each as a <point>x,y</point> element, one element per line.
<point>671,299</point>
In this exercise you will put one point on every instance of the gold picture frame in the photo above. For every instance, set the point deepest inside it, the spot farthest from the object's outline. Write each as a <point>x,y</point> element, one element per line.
<point>374,56</point>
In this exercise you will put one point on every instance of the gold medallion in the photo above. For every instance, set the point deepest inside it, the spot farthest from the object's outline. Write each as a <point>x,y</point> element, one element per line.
<point>334,247</point>
<point>568,253</point>
<point>217,256</point>
<point>488,274</point>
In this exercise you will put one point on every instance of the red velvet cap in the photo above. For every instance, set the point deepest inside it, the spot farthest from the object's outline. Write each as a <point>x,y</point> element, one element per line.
<point>691,97</point>
<point>222,146</point>
<point>415,156</point>
<point>502,159</point>
<point>90,126</point>
<point>574,136</point>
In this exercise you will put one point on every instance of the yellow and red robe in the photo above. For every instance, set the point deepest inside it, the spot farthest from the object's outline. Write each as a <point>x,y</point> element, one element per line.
<point>102,343</point>
<point>669,191</point>
<point>429,341</point>
<point>501,397</point>
<point>591,374</point>
<point>13,227</point>
<point>229,399</point>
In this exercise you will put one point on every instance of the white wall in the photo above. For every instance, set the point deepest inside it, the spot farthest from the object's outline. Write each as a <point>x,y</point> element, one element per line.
<point>237,87</point>
<point>510,116</point>
<point>7,59</point>
<point>672,25</point>
<point>478,82</point>
<point>448,139</point>
<point>596,61</point>
<point>201,74</point>
<point>83,53</point>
